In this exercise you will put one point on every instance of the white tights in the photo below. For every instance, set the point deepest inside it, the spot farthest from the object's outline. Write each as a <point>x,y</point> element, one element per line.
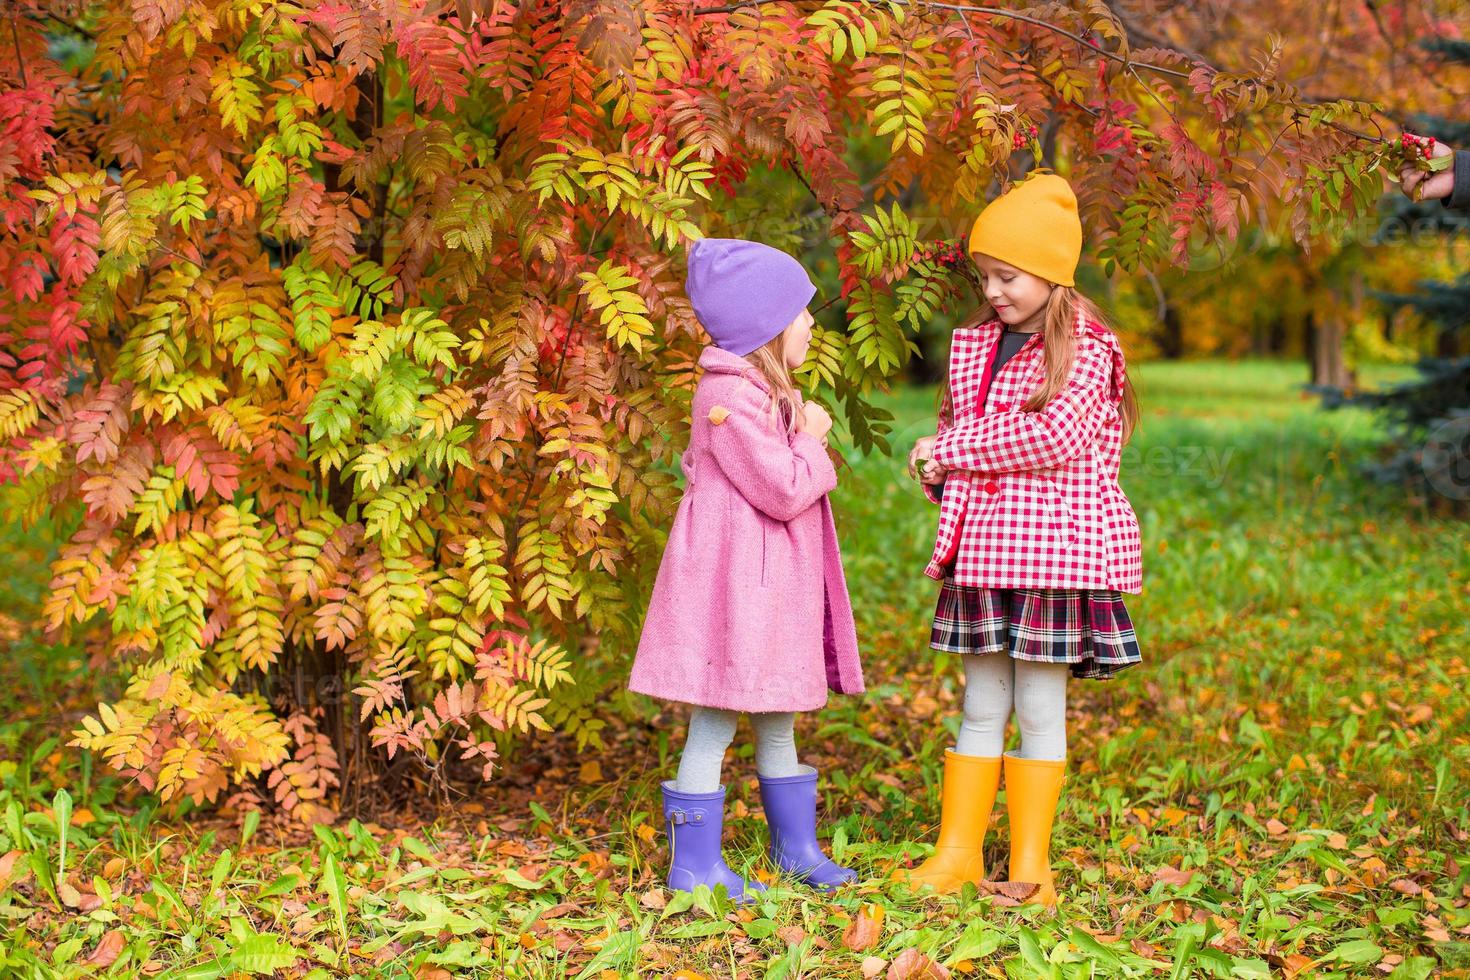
<point>1040,700</point>
<point>710,732</point>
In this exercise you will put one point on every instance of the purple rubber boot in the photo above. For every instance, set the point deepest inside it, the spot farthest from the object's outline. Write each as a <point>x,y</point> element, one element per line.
<point>790,803</point>
<point>694,822</point>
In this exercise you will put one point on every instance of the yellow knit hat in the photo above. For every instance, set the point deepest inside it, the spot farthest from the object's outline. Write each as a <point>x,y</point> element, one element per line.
<point>1034,227</point>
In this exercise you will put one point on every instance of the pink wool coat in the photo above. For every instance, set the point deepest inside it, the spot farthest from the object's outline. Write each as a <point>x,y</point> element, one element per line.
<point>750,610</point>
<point>1032,500</point>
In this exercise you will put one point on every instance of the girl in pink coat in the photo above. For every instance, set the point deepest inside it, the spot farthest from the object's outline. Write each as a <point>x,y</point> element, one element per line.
<point>1036,541</point>
<point>750,611</point>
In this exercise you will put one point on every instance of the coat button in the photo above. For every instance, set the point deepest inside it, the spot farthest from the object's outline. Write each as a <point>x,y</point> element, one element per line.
<point>992,487</point>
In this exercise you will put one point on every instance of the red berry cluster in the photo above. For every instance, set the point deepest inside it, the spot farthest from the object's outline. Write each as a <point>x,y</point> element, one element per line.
<point>947,253</point>
<point>1415,150</point>
<point>1416,146</point>
<point>1023,136</point>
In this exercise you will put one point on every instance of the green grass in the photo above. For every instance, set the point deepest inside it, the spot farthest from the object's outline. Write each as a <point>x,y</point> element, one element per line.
<point>1295,745</point>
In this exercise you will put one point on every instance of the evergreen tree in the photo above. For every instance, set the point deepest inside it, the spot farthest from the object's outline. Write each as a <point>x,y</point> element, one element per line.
<point>1430,416</point>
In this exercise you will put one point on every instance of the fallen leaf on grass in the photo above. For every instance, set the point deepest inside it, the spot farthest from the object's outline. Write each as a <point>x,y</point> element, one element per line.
<point>914,965</point>
<point>791,935</point>
<point>872,966</point>
<point>865,930</point>
<point>68,894</point>
<point>1292,964</point>
<point>1008,893</point>
<point>653,899</point>
<point>1405,886</point>
<point>1173,876</point>
<point>108,949</point>
<point>1434,930</point>
<point>594,861</point>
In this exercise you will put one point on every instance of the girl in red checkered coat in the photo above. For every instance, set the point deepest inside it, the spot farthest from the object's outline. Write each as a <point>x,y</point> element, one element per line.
<point>1036,541</point>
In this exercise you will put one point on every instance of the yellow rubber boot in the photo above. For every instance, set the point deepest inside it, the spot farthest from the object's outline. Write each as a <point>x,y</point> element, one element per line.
<point>1032,789</point>
<point>966,799</point>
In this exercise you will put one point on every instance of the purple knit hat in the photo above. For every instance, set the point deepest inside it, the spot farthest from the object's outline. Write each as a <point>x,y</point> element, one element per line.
<point>745,293</point>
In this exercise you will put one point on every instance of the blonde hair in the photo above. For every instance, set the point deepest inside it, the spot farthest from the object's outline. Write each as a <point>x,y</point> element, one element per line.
<point>770,360</point>
<point>1059,350</point>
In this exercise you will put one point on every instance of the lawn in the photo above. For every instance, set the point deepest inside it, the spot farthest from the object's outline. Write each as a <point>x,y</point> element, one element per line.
<point>1279,789</point>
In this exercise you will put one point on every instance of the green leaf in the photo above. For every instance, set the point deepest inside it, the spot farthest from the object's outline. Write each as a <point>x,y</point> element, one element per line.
<point>618,950</point>
<point>334,883</point>
<point>1359,951</point>
<point>61,806</point>
<point>980,939</point>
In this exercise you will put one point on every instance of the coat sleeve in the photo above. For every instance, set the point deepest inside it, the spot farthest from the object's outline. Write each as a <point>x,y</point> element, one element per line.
<point>1459,198</point>
<point>777,479</point>
<point>1003,442</point>
<point>935,492</point>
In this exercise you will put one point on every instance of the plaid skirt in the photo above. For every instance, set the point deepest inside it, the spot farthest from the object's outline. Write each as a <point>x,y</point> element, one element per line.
<point>1087,628</point>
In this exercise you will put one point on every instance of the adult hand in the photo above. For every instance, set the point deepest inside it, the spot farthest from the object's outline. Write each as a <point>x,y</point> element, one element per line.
<point>1423,186</point>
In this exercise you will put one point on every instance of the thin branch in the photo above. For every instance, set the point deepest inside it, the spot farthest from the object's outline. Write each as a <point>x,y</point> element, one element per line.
<point>44,16</point>
<point>969,9</point>
<point>19,57</point>
<point>1128,63</point>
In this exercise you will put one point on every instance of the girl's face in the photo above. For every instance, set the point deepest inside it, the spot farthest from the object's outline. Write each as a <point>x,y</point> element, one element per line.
<point>798,337</point>
<point>1019,297</point>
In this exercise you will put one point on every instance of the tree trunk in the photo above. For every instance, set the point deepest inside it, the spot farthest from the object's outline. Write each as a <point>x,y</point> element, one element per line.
<point>1276,336</point>
<point>1445,344</point>
<point>1171,334</point>
<point>1325,352</point>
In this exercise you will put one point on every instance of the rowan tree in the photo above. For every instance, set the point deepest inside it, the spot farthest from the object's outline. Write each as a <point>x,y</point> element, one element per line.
<point>347,338</point>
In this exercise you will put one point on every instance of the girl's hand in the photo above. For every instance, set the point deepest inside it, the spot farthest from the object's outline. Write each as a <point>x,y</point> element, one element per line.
<point>924,469</point>
<point>933,473</point>
<point>815,420</point>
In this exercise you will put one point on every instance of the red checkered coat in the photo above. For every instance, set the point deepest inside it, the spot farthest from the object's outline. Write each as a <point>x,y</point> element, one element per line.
<point>1032,499</point>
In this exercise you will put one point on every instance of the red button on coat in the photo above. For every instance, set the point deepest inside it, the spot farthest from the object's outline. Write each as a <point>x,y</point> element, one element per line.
<point>992,487</point>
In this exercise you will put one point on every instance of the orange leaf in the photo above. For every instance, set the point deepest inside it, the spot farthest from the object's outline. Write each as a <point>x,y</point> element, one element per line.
<point>1173,876</point>
<point>109,947</point>
<point>865,930</point>
<point>791,935</point>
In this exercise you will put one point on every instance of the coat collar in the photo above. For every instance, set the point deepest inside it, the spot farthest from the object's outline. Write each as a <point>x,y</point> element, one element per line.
<point>972,346</point>
<point>993,327</point>
<point>717,360</point>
